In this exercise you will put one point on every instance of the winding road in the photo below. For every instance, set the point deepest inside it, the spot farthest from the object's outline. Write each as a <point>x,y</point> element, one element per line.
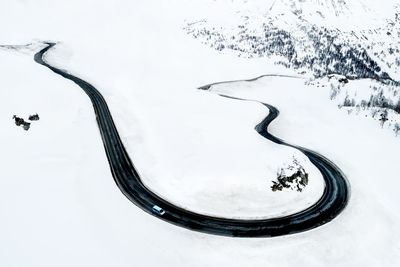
<point>332,202</point>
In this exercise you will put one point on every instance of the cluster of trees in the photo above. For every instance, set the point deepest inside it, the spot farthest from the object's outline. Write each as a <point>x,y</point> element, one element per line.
<point>25,125</point>
<point>323,51</point>
<point>333,54</point>
<point>21,122</point>
<point>378,103</point>
<point>378,100</point>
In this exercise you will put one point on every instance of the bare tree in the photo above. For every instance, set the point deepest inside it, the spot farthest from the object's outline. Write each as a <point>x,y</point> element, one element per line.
<point>384,117</point>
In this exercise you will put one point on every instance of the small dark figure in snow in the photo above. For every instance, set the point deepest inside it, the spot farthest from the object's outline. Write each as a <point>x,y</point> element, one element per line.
<point>34,117</point>
<point>26,125</point>
<point>18,121</point>
<point>384,117</point>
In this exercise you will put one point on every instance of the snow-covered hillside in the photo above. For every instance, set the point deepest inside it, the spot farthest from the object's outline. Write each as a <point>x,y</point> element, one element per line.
<point>312,35</point>
<point>355,39</point>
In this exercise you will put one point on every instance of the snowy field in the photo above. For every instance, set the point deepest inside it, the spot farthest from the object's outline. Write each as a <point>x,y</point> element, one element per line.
<point>59,202</point>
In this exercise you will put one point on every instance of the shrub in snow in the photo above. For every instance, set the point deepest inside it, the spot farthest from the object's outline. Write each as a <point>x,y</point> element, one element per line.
<point>26,126</point>
<point>18,121</point>
<point>34,117</point>
<point>293,176</point>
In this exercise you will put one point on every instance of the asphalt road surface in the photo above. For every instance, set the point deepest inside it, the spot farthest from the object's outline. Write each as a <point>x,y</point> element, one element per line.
<point>332,202</point>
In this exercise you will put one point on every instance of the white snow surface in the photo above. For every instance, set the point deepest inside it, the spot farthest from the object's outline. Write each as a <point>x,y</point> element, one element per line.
<point>59,203</point>
<point>337,14</point>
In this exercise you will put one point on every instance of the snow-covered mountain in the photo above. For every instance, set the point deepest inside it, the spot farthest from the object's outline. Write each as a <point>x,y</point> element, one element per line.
<point>351,38</point>
<point>328,12</point>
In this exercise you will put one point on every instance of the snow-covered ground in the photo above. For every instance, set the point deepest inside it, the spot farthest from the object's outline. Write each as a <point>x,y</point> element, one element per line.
<point>365,98</point>
<point>354,142</point>
<point>60,205</point>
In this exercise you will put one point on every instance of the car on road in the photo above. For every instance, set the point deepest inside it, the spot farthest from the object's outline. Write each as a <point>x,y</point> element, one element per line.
<point>158,210</point>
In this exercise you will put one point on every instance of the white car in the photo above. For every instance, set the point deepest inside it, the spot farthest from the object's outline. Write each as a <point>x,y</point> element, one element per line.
<point>158,210</point>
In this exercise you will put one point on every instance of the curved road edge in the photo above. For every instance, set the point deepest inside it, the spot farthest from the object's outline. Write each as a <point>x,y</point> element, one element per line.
<point>332,202</point>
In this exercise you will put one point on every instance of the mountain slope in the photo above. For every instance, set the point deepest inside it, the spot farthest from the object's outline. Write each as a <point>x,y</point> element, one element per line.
<point>312,35</point>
